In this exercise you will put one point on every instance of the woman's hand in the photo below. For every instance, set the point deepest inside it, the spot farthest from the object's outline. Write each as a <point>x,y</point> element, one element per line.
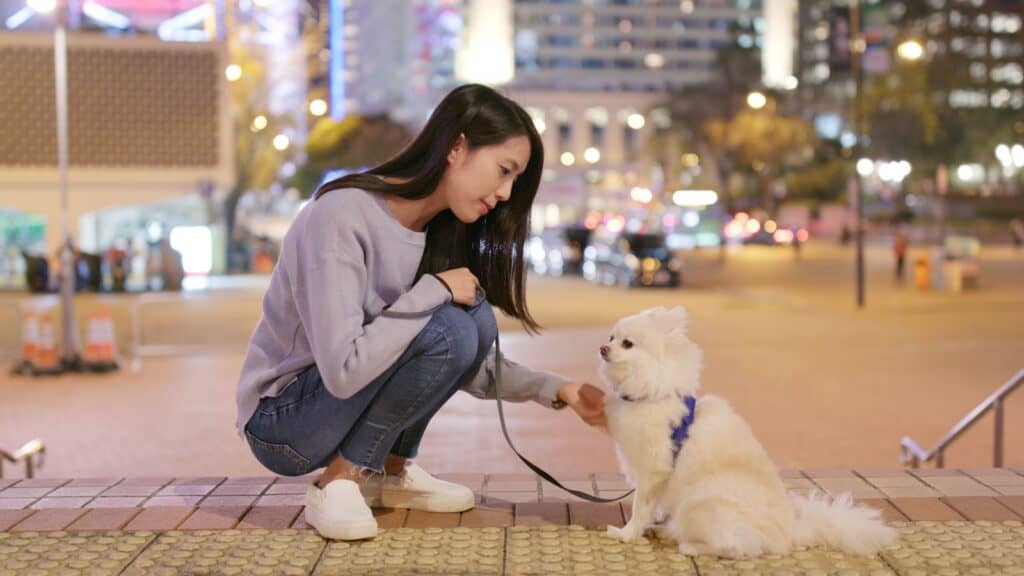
<point>461,283</point>
<point>586,400</point>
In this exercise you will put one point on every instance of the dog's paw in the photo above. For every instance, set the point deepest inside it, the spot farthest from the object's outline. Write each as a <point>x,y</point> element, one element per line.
<point>661,532</point>
<point>626,534</point>
<point>687,549</point>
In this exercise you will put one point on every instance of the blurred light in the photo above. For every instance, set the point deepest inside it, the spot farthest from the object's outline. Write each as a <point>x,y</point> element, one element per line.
<point>964,172</point>
<point>178,27</point>
<point>105,15</point>
<point>281,142</point>
<point>641,195</point>
<point>1004,155</point>
<point>910,50</point>
<point>651,264</point>
<point>690,159</point>
<point>865,167</point>
<point>568,159</point>
<point>259,123</point>
<point>636,121</point>
<point>195,243</point>
<point>318,107</point>
<point>770,226</point>
<point>592,155</point>
<point>1018,155</point>
<point>233,72</point>
<point>262,3</point>
<point>593,220</point>
<point>669,221</point>
<point>848,139</point>
<point>742,216</point>
<point>783,236</point>
<point>616,224</point>
<point>791,83</point>
<point>734,229</point>
<point>154,231</point>
<point>756,100</point>
<point>802,235</point>
<point>42,6</point>
<point>552,215</point>
<point>539,124</point>
<point>694,198</point>
<point>691,219</point>
<point>19,18</point>
<point>654,60</point>
<point>752,226</point>
<point>686,6</point>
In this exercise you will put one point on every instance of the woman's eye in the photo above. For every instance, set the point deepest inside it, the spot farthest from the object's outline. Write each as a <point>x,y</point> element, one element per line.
<point>505,171</point>
<point>627,344</point>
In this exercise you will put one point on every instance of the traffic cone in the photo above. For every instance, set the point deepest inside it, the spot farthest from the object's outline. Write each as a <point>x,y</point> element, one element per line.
<point>100,347</point>
<point>45,360</point>
<point>29,342</point>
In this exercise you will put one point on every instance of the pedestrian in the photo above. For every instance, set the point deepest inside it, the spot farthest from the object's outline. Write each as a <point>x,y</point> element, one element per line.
<point>1017,232</point>
<point>899,251</point>
<point>331,382</point>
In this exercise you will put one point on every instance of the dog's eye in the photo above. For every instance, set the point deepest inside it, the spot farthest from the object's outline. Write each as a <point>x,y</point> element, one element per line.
<point>627,344</point>
<point>611,338</point>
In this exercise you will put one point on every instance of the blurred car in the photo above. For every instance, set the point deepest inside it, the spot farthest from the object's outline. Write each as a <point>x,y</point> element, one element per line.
<point>558,251</point>
<point>632,259</point>
<point>750,230</point>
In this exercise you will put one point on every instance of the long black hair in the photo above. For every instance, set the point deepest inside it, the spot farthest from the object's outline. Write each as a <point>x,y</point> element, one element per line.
<point>491,247</point>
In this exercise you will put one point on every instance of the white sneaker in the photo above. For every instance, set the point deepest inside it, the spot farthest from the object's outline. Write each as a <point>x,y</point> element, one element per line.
<point>338,512</point>
<point>416,489</point>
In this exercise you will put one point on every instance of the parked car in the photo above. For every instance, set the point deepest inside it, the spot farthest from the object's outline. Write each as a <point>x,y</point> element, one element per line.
<point>631,259</point>
<point>558,251</point>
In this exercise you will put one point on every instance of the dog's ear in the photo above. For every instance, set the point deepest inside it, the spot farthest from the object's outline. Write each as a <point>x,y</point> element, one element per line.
<point>674,319</point>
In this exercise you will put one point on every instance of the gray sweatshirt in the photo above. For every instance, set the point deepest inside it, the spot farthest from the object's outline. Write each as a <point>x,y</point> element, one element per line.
<point>344,259</point>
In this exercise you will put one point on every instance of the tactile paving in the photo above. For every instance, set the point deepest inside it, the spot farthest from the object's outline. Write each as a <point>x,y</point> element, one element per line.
<point>454,551</point>
<point>226,552</point>
<point>817,561</point>
<point>950,548</point>
<point>69,553</point>
<point>575,550</point>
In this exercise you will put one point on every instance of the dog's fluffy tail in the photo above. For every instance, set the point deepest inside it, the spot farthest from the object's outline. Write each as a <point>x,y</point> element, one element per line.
<point>855,529</point>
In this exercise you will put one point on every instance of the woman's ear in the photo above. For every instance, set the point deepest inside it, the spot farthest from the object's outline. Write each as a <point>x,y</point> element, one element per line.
<point>457,149</point>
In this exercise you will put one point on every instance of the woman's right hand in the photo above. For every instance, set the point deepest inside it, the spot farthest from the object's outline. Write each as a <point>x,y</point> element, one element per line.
<point>462,284</point>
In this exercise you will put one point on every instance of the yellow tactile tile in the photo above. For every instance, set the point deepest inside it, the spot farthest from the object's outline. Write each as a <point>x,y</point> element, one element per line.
<point>951,548</point>
<point>227,552</point>
<point>453,551</point>
<point>69,553</point>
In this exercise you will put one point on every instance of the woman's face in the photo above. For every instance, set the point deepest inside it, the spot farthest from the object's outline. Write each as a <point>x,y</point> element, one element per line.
<point>476,180</point>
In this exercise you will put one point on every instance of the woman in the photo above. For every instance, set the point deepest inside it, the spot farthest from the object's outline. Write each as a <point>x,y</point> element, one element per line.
<point>328,381</point>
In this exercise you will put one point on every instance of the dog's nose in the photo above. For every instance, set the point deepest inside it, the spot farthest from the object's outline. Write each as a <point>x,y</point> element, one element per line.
<point>604,351</point>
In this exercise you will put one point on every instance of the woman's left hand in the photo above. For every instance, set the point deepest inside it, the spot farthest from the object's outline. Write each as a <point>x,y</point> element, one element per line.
<point>586,400</point>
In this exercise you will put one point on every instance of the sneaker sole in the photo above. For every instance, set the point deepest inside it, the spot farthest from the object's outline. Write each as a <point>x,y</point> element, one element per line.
<point>350,531</point>
<point>426,502</point>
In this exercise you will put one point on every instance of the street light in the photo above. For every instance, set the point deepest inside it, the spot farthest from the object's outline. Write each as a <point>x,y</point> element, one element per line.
<point>756,100</point>
<point>910,50</point>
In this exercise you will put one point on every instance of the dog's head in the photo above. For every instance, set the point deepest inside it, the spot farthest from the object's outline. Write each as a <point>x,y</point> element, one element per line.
<point>650,356</point>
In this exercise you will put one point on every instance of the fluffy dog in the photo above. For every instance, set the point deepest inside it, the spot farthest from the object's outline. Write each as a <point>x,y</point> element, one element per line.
<point>704,468</point>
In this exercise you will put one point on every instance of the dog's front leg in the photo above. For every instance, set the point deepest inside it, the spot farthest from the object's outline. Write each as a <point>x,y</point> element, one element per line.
<point>644,504</point>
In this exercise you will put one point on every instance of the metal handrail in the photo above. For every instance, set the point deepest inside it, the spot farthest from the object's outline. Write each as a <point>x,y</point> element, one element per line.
<point>911,452</point>
<point>33,449</point>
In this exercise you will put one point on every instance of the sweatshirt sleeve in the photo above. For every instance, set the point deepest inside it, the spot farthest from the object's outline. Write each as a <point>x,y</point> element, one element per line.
<point>331,283</point>
<point>518,383</point>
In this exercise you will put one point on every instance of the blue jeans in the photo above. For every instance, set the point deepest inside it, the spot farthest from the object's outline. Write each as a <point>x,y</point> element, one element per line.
<point>305,427</point>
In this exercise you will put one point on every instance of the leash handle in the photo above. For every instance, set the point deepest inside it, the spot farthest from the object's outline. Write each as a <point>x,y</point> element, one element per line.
<point>501,412</point>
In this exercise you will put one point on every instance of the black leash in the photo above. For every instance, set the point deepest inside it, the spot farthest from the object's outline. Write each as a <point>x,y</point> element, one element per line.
<point>501,413</point>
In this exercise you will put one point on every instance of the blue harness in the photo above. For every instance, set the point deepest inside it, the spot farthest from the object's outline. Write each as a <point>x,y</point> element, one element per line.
<point>681,431</point>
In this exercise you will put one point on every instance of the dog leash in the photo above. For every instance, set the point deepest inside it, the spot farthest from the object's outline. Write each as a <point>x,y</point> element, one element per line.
<point>501,412</point>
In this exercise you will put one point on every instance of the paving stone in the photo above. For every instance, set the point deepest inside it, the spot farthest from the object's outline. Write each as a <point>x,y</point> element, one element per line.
<point>160,518</point>
<point>16,492</point>
<point>104,519</point>
<point>512,483</point>
<point>239,490</point>
<point>390,517</point>
<point>490,515</point>
<point>166,501</point>
<point>595,515</point>
<point>103,502</point>
<point>229,552</point>
<point>282,500</point>
<point>42,483</point>
<point>455,552</point>
<point>130,490</point>
<point>49,520</point>
<point>981,508</point>
<point>925,509</point>
<point>511,497</point>
<point>269,517</point>
<point>15,503</point>
<point>889,512</point>
<point>541,513</point>
<point>64,553</point>
<point>214,518</point>
<point>83,482</point>
<point>186,490</point>
<point>9,518</point>
<point>244,501</point>
<point>76,491</point>
<point>60,503</point>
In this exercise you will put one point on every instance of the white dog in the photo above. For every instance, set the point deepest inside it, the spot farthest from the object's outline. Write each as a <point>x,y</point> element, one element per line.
<point>703,468</point>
